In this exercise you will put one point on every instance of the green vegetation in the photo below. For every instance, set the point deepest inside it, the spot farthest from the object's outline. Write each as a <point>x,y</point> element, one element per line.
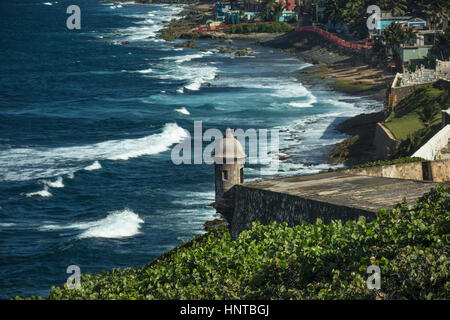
<point>354,12</point>
<point>388,162</point>
<point>308,261</point>
<point>351,87</point>
<point>441,47</point>
<point>411,121</point>
<point>270,10</point>
<point>262,27</point>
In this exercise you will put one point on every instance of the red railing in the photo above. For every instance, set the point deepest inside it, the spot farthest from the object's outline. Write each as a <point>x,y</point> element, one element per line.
<point>330,37</point>
<point>319,31</point>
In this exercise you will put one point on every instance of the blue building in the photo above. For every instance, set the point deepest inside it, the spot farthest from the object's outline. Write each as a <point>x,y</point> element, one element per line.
<point>407,21</point>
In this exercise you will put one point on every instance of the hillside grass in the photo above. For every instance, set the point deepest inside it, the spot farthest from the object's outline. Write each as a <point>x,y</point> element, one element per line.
<point>351,86</point>
<point>308,261</point>
<point>404,121</point>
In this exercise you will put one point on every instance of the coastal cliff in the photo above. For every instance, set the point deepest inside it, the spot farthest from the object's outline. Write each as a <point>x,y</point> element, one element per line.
<point>308,261</point>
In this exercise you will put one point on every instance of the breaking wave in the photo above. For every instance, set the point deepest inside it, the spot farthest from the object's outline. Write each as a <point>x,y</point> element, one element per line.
<point>183,110</point>
<point>42,193</point>
<point>22,164</point>
<point>94,166</point>
<point>117,224</point>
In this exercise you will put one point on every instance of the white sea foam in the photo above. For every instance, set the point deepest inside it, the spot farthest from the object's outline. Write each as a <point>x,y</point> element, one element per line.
<point>22,164</point>
<point>147,28</point>
<point>185,58</point>
<point>196,75</point>
<point>94,166</point>
<point>183,110</point>
<point>42,193</point>
<point>48,3</point>
<point>149,70</point>
<point>58,183</point>
<point>117,224</point>
<point>6,224</point>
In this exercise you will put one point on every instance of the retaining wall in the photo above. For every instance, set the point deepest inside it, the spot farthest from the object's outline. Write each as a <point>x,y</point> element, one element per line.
<point>431,149</point>
<point>384,142</point>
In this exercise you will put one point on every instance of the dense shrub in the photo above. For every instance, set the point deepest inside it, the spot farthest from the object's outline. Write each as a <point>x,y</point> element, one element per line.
<point>308,261</point>
<point>262,27</point>
<point>388,162</point>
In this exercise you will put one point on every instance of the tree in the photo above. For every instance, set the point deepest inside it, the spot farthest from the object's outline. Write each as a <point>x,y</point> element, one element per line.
<point>270,10</point>
<point>433,11</point>
<point>409,35</point>
<point>397,7</point>
<point>441,47</point>
<point>380,51</point>
<point>393,36</point>
<point>355,16</point>
<point>334,10</point>
<point>428,113</point>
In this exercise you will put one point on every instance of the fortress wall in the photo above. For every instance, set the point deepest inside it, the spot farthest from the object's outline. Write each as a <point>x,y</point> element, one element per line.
<point>440,170</point>
<point>384,142</point>
<point>436,171</point>
<point>266,206</point>
<point>411,171</point>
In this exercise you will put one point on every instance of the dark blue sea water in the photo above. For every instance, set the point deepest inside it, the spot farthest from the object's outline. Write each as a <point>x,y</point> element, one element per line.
<point>87,125</point>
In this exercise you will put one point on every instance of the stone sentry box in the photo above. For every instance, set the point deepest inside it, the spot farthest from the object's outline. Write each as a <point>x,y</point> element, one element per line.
<point>328,196</point>
<point>229,158</point>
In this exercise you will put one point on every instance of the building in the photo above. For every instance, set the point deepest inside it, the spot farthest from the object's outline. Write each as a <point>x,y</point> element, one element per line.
<point>416,52</point>
<point>255,5</point>
<point>406,22</point>
<point>229,157</point>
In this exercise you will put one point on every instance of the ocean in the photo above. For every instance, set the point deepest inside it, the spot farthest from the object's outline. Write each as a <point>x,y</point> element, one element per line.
<point>87,125</point>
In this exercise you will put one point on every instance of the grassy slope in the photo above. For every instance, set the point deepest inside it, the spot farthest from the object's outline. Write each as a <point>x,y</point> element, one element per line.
<point>309,261</point>
<point>405,121</point>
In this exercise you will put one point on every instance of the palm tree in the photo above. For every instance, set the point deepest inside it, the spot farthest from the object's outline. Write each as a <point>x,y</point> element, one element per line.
<point>393,36</point>
<point>441,47</point>
<point>380,51</point>
<point>277,9</point>
<point>397,7</point>
<point>428,113</point>
<point>334,10</point>
<point>270,10</point>
<point>409,35</point>
<point>433,11</point>
<point>353,15</point>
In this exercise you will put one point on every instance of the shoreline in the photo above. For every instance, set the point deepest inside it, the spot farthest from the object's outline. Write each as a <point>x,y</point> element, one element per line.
<point>341,70</point>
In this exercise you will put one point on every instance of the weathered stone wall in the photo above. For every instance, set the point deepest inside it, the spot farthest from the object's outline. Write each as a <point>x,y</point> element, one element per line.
<point>223,184</point>
<point>266,206</point>
<point>440,170</point>
<point>395,95</point>
<point>384,142</point>
<point>436,171</point>
<point>411,171</point>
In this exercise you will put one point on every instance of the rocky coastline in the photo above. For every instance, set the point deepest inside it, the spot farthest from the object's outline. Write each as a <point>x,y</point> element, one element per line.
<point>342,70</point>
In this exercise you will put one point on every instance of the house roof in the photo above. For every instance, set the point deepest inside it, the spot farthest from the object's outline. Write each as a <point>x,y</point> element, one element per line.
<point>388,16</point>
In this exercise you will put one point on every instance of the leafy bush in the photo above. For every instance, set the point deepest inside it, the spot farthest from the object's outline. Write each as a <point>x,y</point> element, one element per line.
<point>262,27</point>
<point>308,261</point>
<point>388,162</point>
